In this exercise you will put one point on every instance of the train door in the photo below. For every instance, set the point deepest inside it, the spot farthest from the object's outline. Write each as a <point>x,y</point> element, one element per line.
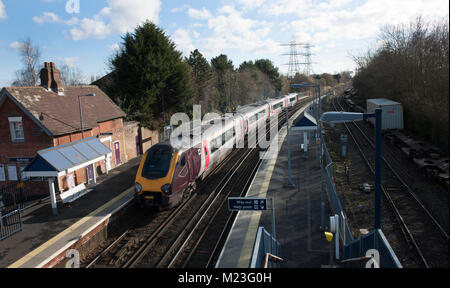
<point>180,176</point>
<point>195,162</point>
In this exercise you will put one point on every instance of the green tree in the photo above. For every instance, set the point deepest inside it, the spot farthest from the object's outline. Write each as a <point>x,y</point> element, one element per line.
<point>266,66</point>
<point>201,69</point>
<point>221,64</point>
<point>150,78</point>
<point>226,82</point>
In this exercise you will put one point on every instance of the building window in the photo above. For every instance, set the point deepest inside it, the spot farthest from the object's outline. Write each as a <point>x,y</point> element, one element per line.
<point>12,173</point>
<point>2,173</point>
<point>16,128</point>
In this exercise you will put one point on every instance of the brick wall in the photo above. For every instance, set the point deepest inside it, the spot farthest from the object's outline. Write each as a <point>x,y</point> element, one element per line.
<point>35,139</point>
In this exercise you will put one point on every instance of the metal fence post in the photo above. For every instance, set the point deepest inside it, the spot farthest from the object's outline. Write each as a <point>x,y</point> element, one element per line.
<point>378,169</point>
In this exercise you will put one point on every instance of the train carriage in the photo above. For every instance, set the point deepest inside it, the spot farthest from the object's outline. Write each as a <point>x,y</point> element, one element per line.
<point>169,171</point>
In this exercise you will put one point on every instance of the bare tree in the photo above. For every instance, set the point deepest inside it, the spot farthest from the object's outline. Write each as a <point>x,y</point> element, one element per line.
<point>31,55</point>
<point>71,76</point>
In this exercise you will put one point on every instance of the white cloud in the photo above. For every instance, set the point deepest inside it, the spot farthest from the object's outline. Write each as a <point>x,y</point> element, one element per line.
<point>202,14</point>
<point>281,7</point>
<point>16,45</point>
<point>119,17</point>
<point>250,4</point>
<point>114,47</point>
<point>363,21</point>
<point>50,17</point>
<point>183,41</point>
<point>2,11</point>
<point>230,30</point>
<point>179,9</point>
<point>70,61</point>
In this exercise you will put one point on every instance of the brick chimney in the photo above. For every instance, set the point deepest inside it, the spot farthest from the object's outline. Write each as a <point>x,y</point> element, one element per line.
<point>51,78</point>
<point>46,77</point>
<point>57,85</point>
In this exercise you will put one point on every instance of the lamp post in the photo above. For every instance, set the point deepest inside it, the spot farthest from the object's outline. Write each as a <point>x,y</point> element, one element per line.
<point>342,117</point>
<point>81,113</point>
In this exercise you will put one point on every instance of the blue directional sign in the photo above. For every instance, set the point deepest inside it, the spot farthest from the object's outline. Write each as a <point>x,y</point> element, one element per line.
<point>247,204</point>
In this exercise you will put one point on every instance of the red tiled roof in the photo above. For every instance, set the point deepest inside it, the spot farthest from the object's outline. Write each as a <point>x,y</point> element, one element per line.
<point>61,113</point>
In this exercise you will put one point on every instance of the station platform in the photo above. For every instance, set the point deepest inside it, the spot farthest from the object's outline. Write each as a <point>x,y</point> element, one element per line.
<point>45,238</point>
<point>297,210</point>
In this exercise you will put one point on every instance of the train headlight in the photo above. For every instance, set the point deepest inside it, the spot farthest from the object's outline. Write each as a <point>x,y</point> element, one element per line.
<point>167,189</point>
<point>137,187</point>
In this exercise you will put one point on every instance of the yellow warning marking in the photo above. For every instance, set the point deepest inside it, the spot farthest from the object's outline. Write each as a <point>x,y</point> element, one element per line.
<point>50,242</point>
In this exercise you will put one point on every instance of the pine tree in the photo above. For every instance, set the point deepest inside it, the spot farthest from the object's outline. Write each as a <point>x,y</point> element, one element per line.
<point>150,78</point>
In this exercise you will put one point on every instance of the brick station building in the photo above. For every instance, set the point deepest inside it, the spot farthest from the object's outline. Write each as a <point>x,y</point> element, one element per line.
<point>36,118</point>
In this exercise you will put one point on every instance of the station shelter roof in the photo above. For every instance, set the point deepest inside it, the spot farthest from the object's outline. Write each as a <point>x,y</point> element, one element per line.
<point>63,159</point>
<point>306,123</point>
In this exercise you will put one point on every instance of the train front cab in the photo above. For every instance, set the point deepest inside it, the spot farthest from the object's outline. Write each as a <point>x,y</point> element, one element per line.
<point>164,175</point>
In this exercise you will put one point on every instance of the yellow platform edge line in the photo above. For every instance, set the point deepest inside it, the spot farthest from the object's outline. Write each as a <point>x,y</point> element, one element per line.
<point>80,222</point>
<point>245,258</point>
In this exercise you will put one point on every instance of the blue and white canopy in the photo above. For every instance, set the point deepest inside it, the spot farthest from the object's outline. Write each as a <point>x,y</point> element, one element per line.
<point>63,159</point>
<point>306,123</point>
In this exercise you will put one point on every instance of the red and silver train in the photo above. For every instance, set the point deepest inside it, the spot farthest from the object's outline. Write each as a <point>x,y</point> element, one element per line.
<point>168,171</point>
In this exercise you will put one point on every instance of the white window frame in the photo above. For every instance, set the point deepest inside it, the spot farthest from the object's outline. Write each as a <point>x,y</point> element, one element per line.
<point>12,172</point>
<point>2,173</point>
<point>12,121</point>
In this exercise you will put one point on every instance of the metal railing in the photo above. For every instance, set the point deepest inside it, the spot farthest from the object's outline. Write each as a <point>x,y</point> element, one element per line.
<point>12,201</point>
<point>336,205</point>
<point>356,249</point>
<point>265,244</point>
<point>10,223</point>
<point>374,240</point>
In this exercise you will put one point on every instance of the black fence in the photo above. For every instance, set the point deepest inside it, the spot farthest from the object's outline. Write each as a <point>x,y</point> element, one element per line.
<point>12,201</point>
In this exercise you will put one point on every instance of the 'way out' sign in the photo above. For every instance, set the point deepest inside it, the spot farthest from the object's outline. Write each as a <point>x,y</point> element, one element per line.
<point>247,204</point>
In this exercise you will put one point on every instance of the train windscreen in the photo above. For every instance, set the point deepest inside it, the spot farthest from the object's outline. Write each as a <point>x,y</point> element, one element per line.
<point>158,162</point>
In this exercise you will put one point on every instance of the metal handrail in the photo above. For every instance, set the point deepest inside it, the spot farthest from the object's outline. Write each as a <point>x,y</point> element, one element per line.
<point>274,258</point>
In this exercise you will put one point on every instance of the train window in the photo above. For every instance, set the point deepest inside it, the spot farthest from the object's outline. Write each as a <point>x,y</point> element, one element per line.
<point>157,162</point>
<point>215,144</point>
<point>183,162</point>
<point>292,99</point>
<point>224,138</point>
<point>252,119</point>
<point>229,134</point>
<point>276,106</point>
<point>261,114</point>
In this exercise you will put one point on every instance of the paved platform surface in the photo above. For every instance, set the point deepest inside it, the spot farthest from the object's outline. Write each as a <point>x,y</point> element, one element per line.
<point>44,234</point>
<point>297,211</point>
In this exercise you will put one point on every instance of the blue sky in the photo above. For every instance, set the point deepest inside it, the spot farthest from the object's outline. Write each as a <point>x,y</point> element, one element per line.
<point>242,29</point>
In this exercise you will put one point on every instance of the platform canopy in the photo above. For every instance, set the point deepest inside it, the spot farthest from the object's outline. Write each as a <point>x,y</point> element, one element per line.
<point>60,160</point>
<point>306,123</point>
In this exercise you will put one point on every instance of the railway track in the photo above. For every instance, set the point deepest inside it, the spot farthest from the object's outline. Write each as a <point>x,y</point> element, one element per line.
<point>182,237</point>
<point>421,230</point>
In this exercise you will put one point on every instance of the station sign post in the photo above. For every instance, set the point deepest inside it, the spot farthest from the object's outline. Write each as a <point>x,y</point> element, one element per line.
<point>253,204</point>
<point>247,204</point>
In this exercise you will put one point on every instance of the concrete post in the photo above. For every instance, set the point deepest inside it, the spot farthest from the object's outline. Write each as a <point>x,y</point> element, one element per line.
<point>94,174</point>
<point>378,168</point>
<point>51,186</point>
